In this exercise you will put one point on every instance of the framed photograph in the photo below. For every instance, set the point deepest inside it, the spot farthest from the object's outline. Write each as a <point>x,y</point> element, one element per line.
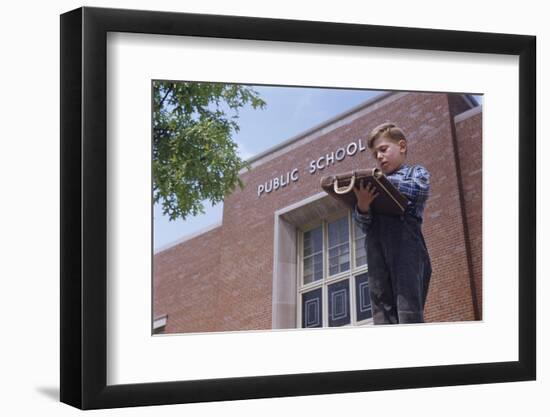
<point>202,261</point>
<point>309,267</point>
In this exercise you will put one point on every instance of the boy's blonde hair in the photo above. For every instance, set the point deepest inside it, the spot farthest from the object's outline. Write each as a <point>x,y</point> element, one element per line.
<point>389,130</point>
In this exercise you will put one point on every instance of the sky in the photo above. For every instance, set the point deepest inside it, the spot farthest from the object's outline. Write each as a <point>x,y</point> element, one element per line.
<point>289,111</point>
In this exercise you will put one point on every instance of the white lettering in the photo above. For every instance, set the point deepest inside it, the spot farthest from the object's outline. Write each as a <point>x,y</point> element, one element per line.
<point>312,167</point>
<point>268,190</point>
<point>319,165</point>
<point>351,152</point>
<point>278,182</point>
<point>315,165</point>
<point>283,183</point>
<point>330,158</point>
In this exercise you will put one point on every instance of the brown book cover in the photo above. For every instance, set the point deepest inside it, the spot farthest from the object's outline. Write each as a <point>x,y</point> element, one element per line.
<point>389,201</point>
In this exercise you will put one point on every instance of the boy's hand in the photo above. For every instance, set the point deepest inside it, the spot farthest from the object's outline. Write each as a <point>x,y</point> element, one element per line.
<point>365,196</point>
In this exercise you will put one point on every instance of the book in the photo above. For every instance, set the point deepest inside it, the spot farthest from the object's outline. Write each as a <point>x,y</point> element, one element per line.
<point>389,201</point>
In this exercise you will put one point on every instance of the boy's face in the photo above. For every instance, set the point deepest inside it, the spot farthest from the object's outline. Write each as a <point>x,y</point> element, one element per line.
<point>389,154</point>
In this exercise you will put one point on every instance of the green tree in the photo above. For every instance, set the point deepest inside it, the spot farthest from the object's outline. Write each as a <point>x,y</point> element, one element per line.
<point>194,155</point>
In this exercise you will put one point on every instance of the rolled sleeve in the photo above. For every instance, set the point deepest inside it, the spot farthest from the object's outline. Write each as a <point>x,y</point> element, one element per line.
<point>364,220</point>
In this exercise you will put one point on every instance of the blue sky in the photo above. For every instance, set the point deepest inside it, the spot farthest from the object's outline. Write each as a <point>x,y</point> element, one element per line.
<point>288,112</point>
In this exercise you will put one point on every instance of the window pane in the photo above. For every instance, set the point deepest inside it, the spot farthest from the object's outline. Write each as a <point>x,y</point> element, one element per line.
<point>358,231</point>
<point>313,268</point>
<point>312,308</point>
<point>338,259</point>
<point>308,270</point>
<point>313,255</point>
<point>360,252</point>
<point>363,306</point>
<point>338,232</point>
<point>338,304</point>
<point>313,241</point>
<point>318,267</point>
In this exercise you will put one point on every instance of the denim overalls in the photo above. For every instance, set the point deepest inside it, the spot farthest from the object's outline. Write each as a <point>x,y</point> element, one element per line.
<point>399,269</point>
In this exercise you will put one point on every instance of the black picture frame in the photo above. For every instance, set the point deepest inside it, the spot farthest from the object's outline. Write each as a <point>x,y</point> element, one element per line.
<point>84,207</point>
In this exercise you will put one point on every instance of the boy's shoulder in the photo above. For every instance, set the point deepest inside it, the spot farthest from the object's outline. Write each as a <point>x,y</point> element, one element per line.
<point>421,169</point>
<point>413,170</point>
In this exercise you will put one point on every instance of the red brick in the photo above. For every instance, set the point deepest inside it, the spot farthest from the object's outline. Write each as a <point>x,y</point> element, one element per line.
<point>222,280</point>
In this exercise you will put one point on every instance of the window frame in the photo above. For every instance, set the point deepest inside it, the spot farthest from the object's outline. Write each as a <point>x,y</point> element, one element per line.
<point>327,279</point>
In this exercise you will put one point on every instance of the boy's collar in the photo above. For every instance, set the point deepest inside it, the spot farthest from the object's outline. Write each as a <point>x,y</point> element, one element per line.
<point>403,166</point>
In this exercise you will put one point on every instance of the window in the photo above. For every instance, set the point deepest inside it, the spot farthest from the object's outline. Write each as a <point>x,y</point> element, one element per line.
<point>332,280</point>
<point>313,255</point>
<point>159,324</point>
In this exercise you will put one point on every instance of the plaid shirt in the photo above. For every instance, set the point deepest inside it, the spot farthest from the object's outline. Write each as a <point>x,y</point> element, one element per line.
<point>413,183</point>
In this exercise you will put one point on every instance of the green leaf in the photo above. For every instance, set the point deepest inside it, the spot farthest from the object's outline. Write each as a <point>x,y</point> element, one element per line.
<point>194,155</point>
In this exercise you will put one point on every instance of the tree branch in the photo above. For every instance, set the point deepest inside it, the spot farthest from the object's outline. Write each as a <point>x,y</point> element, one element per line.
<point>164,98</point>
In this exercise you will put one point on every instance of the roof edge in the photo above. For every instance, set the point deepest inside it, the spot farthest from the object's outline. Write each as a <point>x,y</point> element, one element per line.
<point>468,113</point>
<point>322,125</point>
<point>188,237</point>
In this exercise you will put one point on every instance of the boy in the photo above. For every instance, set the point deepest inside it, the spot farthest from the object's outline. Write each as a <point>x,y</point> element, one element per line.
<point>397,257</point>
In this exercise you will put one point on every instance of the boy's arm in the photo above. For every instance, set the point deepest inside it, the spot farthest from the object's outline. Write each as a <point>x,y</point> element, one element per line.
<point>365,195</point>
<point>416,186</point>
<point>363,220</point>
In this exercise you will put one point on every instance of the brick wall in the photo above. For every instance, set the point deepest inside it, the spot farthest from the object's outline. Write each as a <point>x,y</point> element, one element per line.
<point>184,284</point>
<point>469,139</point>
<point>235,294</point>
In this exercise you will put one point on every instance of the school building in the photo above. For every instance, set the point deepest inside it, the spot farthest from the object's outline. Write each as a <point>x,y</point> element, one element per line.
<point>287,255</point>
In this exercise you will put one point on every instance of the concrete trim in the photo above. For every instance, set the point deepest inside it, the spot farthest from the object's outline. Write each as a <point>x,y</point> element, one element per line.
<point>306,201</point>
<point>283,304</point>
<point>324,128</point>
<point>284,313</point>
<point>468,113</point>
<point>160,321</point>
